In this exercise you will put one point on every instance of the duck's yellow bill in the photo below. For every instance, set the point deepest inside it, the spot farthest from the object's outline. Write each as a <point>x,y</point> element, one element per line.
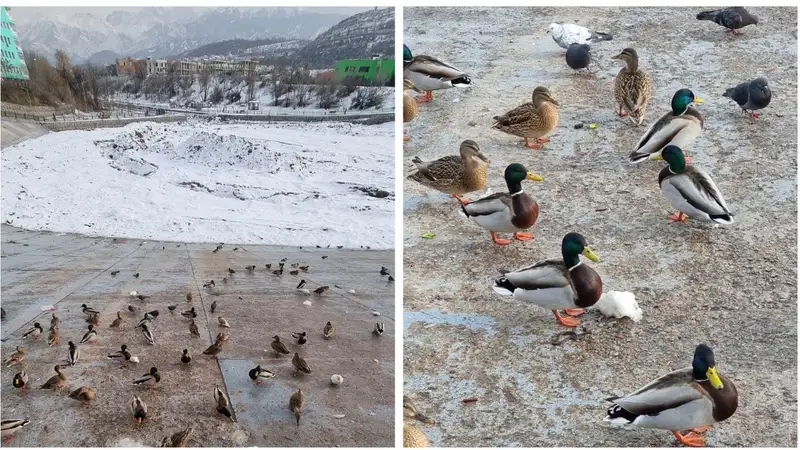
<point>711,373</point>
<point>587,252</point>
<point>533,177</point>
<point>656,156</point>
<point>698,100</point>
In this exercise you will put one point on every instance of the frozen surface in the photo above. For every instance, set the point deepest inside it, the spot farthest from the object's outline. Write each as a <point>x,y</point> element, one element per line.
<point>733,288</point>
<point>199,181</point>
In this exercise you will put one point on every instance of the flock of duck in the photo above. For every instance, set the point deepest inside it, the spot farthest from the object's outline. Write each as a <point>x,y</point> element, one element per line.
<point>688,399</point>
<point>138,408</point>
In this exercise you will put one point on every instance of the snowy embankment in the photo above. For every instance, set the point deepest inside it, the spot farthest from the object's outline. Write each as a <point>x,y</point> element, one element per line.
<point>289,183</point>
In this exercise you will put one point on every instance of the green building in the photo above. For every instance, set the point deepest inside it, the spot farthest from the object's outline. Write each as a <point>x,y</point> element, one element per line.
<point>373,71</point>
<point>13,60</point>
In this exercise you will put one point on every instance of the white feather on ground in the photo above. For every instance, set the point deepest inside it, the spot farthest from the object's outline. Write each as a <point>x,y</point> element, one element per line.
<point>619,304</point>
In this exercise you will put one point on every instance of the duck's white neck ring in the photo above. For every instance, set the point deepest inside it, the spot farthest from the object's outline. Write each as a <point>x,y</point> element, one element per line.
<point>516,193</point>
<point>670,170</point>
<point>576,265</point>
<point>700,381</point>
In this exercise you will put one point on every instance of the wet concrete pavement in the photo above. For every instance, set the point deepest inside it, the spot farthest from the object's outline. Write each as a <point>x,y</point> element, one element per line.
<point>64,270</point>
<point>733,288</point>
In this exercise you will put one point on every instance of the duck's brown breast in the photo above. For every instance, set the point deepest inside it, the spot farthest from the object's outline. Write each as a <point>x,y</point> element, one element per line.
<point>726,400</point>
<point>587,284</point>
<point>525,211</point>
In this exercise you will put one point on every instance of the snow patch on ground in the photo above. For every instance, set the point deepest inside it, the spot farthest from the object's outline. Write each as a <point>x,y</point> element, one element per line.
<point>250,183</point>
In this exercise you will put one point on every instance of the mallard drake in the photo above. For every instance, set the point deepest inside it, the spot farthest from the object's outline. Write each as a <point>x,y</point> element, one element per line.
<point>21,380</point>
<point>84,394</point>
<point>138,409</point>
<point>125,354</point>
<point>413,437</point>
<point>300,336</point>
<point>190,314</point>
<point>34,331</point>
<point>16,357</point>
<point>328,331</point>
<point>177,440</point>
<point>632,88</point>
<point>149,379</point>
<point>296,404</point>
<point>87,310</point>
<point>55,336</point>
<point>186,358</point>
<point>378,330</point>
<point>508,212</point>
<point>410,411</point>
<point>10,426</point>
<point>430,74</point>
<point>148,334</point>
<point>300,364</point>
<point>409,104</point>
<point>193,328</point>
<point>557,284</point>
<point>452,174</point>
<point>258,375</point>
<point>57,381</point>
<point>678,127</point>
<point>223,405</point>
<point>693,398</point>
<point>532,120</point>
<point>117,322</point>
<point>91,334</point>
<point>690,189</point>
<point>222,322</point>
<point>73,354</point>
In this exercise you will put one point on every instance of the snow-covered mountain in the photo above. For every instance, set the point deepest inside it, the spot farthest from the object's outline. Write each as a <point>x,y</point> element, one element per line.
<point>161,32</point>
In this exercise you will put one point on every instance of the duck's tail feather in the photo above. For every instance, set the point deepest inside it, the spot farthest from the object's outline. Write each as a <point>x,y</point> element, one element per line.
<point>503,286</point>
<point>461,81</point>
<point>598,36</point>
<point>618,414</point>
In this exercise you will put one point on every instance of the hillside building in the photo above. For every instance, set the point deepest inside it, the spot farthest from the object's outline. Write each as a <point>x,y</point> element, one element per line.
<point>13,60</point>
<point>376,71</point>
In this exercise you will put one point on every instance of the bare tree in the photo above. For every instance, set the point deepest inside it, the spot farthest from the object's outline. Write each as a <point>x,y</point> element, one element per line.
<point>301,94</point>
<point>326,95</point>
<point>251,81</point>
<point>204,79</point>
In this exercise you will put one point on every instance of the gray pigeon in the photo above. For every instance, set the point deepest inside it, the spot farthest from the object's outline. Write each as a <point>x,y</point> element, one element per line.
<point>751,95</point>
<point>578,56</point>
<point>730,18</point>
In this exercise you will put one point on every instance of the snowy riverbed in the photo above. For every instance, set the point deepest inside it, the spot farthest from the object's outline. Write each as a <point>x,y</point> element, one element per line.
<point>250,183</point>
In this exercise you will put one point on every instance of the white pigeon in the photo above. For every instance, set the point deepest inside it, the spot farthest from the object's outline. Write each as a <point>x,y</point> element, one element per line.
<point>566,34</point>
<point>619,304</point>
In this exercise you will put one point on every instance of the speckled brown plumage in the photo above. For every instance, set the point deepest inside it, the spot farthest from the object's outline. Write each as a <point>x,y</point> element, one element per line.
<point>413,437</point>
<point>632,87</point>
<point>531,120</point>
<point>454,174</point>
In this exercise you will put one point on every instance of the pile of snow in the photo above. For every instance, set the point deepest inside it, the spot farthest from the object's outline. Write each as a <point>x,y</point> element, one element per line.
<point>252,183</point>
<point>619,304</point>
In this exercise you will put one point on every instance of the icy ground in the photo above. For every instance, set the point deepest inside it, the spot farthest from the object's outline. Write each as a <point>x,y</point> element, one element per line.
<point>250,183</point>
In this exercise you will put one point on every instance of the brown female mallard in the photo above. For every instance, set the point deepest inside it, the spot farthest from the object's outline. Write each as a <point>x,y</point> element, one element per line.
<point>57,381</point>
<point>632,88</point>
<point>17,357</point>
<point>454,175</point>
<point>296,404</point>
<point>84,394</point>
<point>533,120</point>
<point>557,284</point>
<point>508,212</point>
<point>409,104</point>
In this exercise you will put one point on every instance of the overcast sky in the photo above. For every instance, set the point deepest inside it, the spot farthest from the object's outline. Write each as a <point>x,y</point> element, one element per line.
<point>24,15</point>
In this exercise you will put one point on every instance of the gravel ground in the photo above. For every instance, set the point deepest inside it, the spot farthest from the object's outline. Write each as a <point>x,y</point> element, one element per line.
<point>67,270</point>
<point>733,288</point>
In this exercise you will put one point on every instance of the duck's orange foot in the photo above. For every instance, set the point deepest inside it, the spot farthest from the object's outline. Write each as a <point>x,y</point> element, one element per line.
<point>622,113</point>
<point>499,241</point>
<point>8,439</point>
<point>574,312</point>
<point>542,140</point>
<point>523,236</point>
<point>259,382</point>
<point>86,405</point>
<point>678,217</point>
<point>566,321</point>
<point>406,138</point>
<point>690,439</point>
<point>532,144</point>
<point>460,199</point>
<point>700,430</point>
